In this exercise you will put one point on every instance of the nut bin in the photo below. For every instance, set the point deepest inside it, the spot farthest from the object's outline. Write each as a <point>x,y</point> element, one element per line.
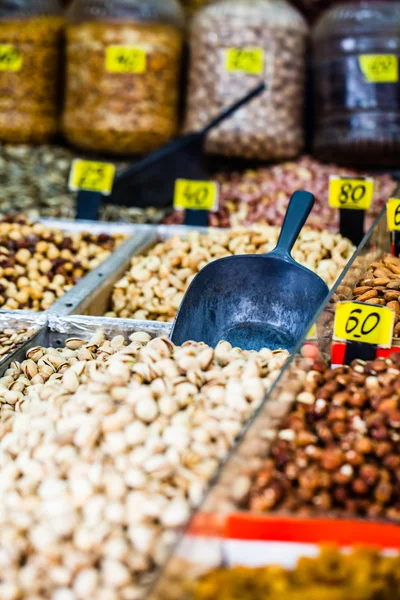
<point>153,287</point>
<point>271,126</point>
<point>39,263</point>
<point>30,65</point>
<point>356,48</point>
<point>114,442</point>
<point>261,195</point>
<point>123,68</point>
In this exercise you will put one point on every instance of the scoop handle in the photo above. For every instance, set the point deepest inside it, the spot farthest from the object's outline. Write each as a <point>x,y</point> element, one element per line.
<point>299,208</point>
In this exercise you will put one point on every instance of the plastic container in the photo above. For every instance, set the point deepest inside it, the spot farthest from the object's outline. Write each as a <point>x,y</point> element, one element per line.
<point>356,48</point>
<point>30,53</point>
<point>234,45</point>
<point>123,69</point>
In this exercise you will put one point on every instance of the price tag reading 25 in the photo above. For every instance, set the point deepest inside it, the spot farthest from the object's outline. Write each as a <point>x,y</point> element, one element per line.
<point>351,193</point>
<point>245,60</point>
<point>195,195</point>
<point>367,323</point>
<point>91,176</point>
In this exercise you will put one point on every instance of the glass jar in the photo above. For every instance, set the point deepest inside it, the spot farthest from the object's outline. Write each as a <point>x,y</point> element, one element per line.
<point>311,9</point>
<point>123,70</point>
<point>356,52</point>
<point>234,45</point>
<point>30,53</point>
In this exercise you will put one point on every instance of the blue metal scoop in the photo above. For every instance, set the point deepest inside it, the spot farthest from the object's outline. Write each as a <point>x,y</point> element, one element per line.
<point>254,301</point>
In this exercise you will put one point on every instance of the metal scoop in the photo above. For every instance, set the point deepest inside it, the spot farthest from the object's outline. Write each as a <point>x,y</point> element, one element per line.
<point>254,301</point>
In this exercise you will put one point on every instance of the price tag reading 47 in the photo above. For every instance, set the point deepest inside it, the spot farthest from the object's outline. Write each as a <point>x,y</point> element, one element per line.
<point>195,195</point>
<point>351,193</point>
<point>367,323</point>
<point>91,177</point>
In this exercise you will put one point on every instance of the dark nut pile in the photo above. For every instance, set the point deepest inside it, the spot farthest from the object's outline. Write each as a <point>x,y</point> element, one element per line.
<point>262,195</point>
<point>381,285</point>
<point>338,450</point>
<point>364,574</point>
<point>271,127</point>
<point>38,264</point>
<point>29,110</point>
<point>121,112</point>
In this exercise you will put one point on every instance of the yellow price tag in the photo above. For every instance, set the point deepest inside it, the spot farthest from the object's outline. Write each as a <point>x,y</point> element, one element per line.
<point>351,193</point>
<point>368,323</point>
<point>126,59</point>
<point>247,60</point>
<point>195,195</point>
<point>10,58</point>
<point>91,176</point>
<point>380,68</point>
<point>313,332</point>
<point>393,214</point>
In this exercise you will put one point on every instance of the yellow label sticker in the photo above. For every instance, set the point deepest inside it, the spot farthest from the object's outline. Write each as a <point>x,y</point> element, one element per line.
<point>10,58</point>
<point>393,214</point>
<point>351,193</point>
<point>195,195</point>
<point>367,323</point>
<point>91,176</point>
<point>246,60</point>
<point>313,332</point>
<point>380,68</point>
<point>126,59</point>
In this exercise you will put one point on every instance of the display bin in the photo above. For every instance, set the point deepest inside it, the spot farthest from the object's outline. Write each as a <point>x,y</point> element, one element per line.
<point>203,546</point>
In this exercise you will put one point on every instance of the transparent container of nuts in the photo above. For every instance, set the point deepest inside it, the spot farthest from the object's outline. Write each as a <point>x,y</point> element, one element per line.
<point>356,48</point>
<point>234,45</point>
<point>30,64</point>
<point>123,74</point>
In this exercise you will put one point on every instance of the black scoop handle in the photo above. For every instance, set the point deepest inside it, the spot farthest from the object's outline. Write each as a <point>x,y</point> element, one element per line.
<point>299,208</point>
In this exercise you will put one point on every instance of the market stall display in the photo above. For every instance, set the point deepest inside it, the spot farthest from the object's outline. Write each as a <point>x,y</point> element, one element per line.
<point>261,195</point>
<point>123,98</point>
<point>38,264</point>
<point>154,286</point>
<point>30,66</point>
<point>233,45</point>
<point>356,73</point>
<point>114,441</point>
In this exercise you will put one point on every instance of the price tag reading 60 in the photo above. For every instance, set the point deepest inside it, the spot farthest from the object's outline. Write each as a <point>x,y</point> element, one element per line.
<point>367,323</point>
<point>91,176</point>
<point>195,195</point>
<point>349,193</point>
<point>393,214</point>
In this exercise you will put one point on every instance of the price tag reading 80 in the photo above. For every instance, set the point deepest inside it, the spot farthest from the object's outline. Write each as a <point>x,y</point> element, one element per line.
<point>393,214</point>
<point>91,176</point>
<point>379,68</point>
<point>367,323</point>
<point>195,195</point>
<point>351,193</point>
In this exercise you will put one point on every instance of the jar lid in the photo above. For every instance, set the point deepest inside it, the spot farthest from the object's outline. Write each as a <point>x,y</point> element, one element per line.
<point>361,17</point>
<point>16,9</point>
<point>163,11</point>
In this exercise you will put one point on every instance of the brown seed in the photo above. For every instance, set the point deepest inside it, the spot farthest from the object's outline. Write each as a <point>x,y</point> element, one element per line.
<point>365,297</point>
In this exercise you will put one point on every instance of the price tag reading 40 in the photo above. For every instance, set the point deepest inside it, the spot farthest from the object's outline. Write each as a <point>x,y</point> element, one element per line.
<point>351,193</point>
<point>393,214</point>
<point>195,195</point>
<point>91,177</point>
<point>367,323</point>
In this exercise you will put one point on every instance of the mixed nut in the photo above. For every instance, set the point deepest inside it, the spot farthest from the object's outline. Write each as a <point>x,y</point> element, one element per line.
<point>38,264</point>
<point>105,448</point>
<point>337,451</point>
<point>381,285</point>
<point>154,286</point>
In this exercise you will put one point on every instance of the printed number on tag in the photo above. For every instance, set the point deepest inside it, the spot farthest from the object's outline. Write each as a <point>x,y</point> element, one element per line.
<point>356,194</point>
<point>247,60</point>
<point>123,59</point>
<point>195,195</point>
<point>368,323</point>
<point>91,176</point>
<point>393,214</point>
<point>380,68</point>
<point>10,58</point>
